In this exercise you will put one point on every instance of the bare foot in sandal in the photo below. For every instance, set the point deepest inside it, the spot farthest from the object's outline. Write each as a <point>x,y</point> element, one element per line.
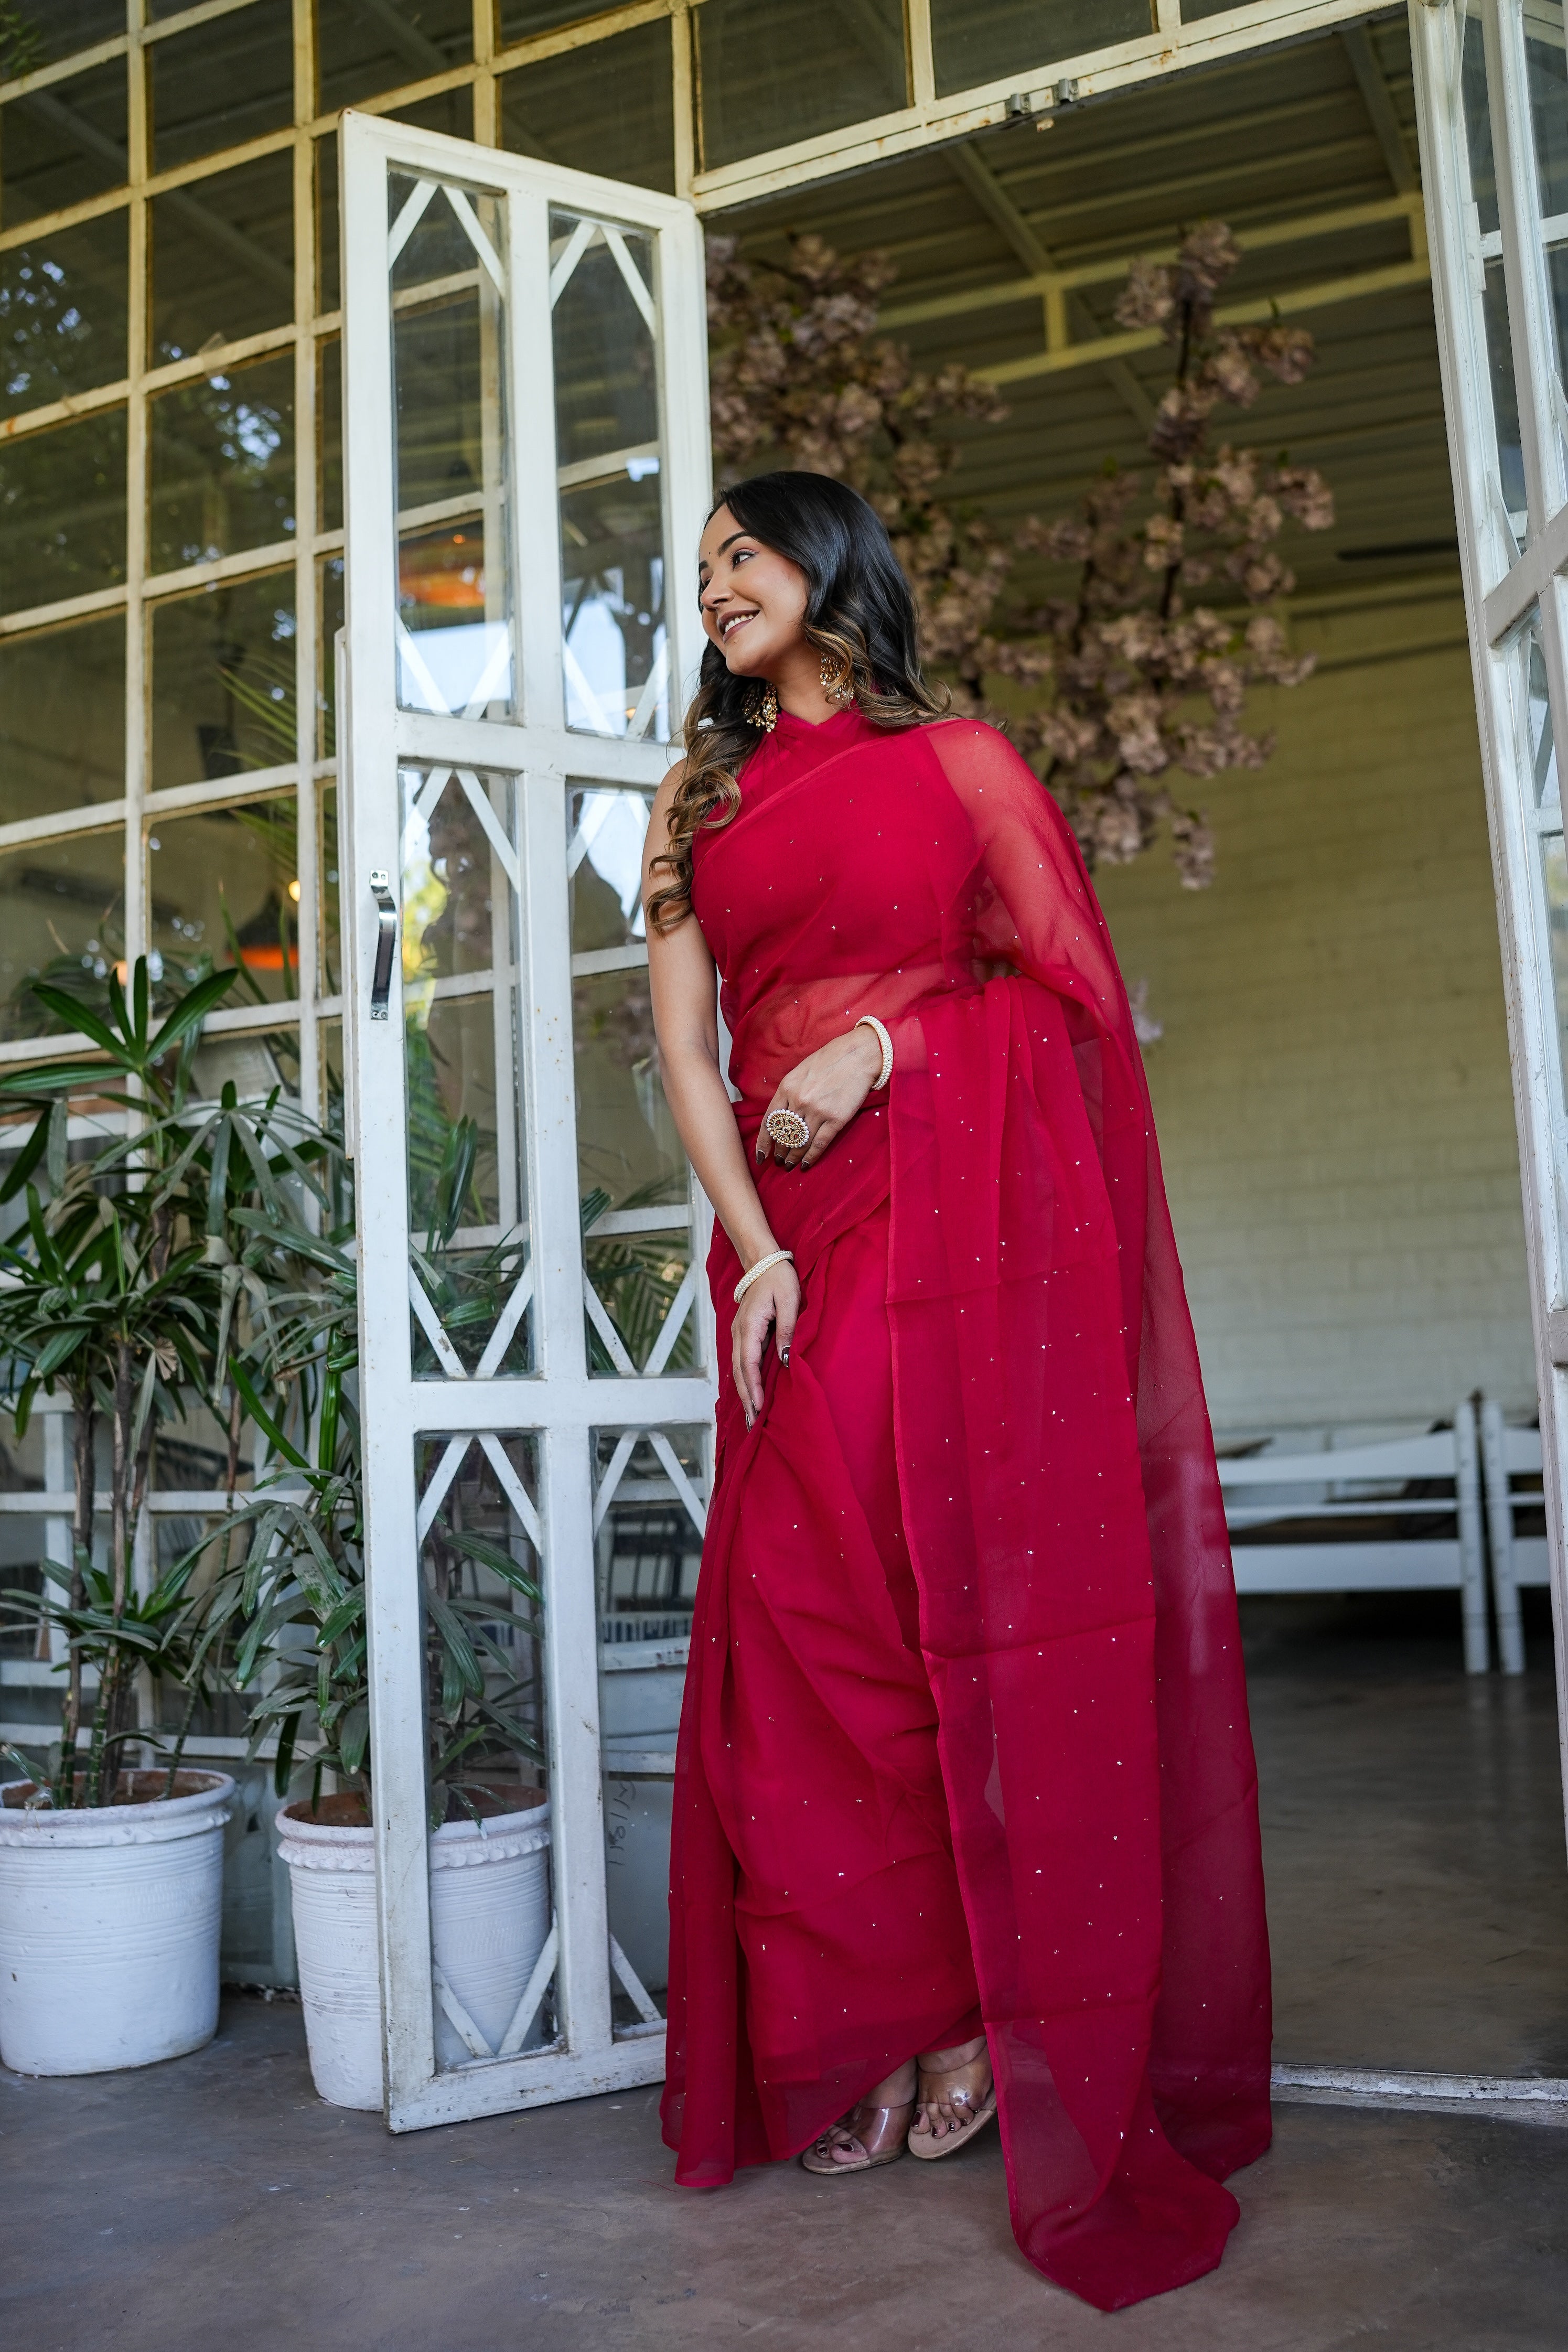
<point>955,2098</point>
<point>874,2132</point>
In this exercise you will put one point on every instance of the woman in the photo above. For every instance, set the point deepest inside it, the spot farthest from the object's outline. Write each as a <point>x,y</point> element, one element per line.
<point>965,1813</point>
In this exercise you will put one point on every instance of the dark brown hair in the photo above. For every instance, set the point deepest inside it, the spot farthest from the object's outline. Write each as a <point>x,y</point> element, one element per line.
<point>859,613</point>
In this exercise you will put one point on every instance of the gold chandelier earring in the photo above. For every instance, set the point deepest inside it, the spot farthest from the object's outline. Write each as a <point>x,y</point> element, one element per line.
<point>764,712</point>
<point>837,681</point>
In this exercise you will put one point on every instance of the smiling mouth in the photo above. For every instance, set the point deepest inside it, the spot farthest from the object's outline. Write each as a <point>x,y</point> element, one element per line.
<point>727,627</point>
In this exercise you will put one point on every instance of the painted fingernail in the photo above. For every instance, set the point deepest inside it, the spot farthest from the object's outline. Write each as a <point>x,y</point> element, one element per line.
<point>783,1358</point>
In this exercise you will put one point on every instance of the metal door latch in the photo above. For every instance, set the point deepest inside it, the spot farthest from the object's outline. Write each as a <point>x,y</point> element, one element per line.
<point>385,939</point>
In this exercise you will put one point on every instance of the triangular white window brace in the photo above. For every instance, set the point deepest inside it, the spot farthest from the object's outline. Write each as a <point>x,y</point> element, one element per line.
<point>614,1471</point>
<point>469,222</point>
<point>636,288</point>
<point>434,1494</point>
<point>408,220</point>
<point>585,234</point>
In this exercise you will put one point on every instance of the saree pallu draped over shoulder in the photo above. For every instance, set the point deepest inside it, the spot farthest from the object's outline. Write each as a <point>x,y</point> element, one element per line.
<point>965,1735</point>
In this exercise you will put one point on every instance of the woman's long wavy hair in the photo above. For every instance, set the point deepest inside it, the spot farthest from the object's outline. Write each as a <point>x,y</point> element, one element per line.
<point>859,614</point>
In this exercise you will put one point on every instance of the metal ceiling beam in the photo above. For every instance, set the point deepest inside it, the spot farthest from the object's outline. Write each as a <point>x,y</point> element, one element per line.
<point>1059,308</point>
<point>1355,288</point>
<point>1303,229</point>
<point>1358,49</point>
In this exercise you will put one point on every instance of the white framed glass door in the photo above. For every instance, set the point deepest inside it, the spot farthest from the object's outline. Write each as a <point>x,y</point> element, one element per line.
<point>1491,84</point>
<point>526,465</point>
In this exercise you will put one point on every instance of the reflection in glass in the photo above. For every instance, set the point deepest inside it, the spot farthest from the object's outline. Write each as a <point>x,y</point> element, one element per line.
<point>330,951</point>
<point>1554,874</point>
<point>649,1502</point>
<point>612,524</point>
<point>618,119</point>
<point>222,465</point>
<point>224,889</point>
<point>329,415</point>
<point>485,1743</point>
<point>63,144</point>
<point>450,111</point>
<point>223,680</point>
<point>62,313</point>
<point>976,40</point>
<point>223,82</point>
<point>62,511</point>
<point>223,257</point>
<point>453,626</point>
<point>364,47</point>
<point>1542,749</point>
<point>42,36</point>
<point>458,895</point>
<point>330,614</point>
<point>1546,70</point>
<point>62,917</point>
<point>796,68</point>
<point>604,867</point>
<point>1494,300</point>
<point>62,719</point>
<point>633,1176</point>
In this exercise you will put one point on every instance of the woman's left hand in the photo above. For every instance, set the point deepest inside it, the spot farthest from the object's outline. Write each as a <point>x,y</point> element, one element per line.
<point>828,1089</point>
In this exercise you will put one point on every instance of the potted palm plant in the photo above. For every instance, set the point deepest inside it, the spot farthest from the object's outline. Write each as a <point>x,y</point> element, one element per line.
<point>113,1291</point>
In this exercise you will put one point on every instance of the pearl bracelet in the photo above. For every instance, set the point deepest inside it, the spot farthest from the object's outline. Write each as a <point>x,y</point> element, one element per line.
<point>869,1021</point>
<point>762,1266</point>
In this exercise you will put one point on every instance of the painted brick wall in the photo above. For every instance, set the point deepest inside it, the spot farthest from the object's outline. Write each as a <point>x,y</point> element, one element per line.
<point>1333,1083</point>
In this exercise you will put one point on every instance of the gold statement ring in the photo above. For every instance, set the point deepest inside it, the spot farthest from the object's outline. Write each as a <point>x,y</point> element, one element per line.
<point>788,1129</point>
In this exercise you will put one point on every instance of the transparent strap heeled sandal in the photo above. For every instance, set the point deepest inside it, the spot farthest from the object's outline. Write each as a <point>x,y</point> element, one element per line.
<point>967,2092</point>
<point>867,2137</point>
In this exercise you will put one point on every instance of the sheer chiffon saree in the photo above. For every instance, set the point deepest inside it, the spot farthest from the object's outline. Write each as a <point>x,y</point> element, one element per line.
<point>965,1738</point>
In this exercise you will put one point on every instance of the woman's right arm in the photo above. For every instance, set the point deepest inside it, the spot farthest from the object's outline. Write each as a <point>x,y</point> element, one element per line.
<point>683,980</point>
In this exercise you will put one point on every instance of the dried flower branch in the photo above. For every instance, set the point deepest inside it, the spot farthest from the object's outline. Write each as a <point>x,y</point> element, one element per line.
<point>1129,684</point>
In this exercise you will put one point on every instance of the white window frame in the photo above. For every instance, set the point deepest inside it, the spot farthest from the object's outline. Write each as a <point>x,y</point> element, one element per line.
<point>1505,587</point>
<point>559,1402</point>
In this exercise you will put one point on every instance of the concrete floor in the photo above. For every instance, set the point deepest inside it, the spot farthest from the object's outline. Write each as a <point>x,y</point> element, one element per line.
<point>1420,1905</point>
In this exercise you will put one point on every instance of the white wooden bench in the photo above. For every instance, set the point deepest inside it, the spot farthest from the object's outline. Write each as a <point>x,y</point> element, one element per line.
<point>1512,1465</point>
<point>1301,1522</point>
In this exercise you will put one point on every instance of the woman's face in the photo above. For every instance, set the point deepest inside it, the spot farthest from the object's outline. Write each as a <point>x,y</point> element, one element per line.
<point>752,598</point>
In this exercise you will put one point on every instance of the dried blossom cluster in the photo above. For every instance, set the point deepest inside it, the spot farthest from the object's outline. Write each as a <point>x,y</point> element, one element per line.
<point>1128,683</point>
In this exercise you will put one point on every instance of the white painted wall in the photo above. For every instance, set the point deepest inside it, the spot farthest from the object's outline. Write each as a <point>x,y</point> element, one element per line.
<point>1332,1086</point>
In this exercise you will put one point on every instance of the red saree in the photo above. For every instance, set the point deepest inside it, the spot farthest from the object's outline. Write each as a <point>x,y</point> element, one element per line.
<point>966,1731</point>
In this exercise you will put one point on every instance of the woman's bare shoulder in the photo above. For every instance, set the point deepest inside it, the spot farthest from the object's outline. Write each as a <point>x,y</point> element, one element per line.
<point>664,799</point>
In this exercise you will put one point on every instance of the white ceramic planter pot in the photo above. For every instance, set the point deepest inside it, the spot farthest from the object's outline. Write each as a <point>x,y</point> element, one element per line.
<point>108,1928</point>
<point>489,1917</point>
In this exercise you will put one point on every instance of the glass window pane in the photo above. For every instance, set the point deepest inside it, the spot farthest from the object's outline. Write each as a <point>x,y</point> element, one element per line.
<point>521,19</point>
<point>609,110</point>
<point>1546,69</point>
<point>222,453</point>
<point>794,69</point>
<point>453,628</point>
<point>650,1498</point>
<point>62,511</point>
<point>612,526</point>
<point>330,950</point>
<point>62,917</point>
<point>450,111</point>
<point>222,83</point>
<point>223,890</point>
<point>976,40</point>
<point>460,932</point>
<point>1193,11</point>
<point>62,719</point>
<point>633,1176</point>
<point>364,47</point>
<point>1475,127</point>
<point>223,257</point>
<point>485,1747</point>
<point>62,313</point>
<point>223,680</point>
<point>330,614</point>
<point>43,34</point>
<point>1541,748</point>
<point>63,144</point>
<point>329,415</point>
